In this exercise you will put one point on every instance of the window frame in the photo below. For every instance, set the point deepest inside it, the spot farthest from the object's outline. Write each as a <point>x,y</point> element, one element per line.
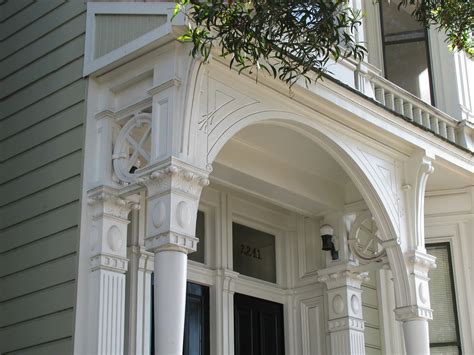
<point>428,53</point>
<point>457,343</point>
<point>262,230</point>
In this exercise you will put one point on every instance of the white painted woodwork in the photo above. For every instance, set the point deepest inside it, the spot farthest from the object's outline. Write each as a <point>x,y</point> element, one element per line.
<point>345,319</point>
<point>416,337</point>
<point>141,266</point>
<point>283,163</point>
<point>108,265</point>
<point>169,301</point>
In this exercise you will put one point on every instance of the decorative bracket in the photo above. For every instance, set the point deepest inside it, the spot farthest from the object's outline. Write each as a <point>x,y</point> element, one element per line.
<point>418,169</point>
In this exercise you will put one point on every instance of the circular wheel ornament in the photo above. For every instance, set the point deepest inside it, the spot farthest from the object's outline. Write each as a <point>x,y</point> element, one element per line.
<point>132,147</point>
<point>364,240</point>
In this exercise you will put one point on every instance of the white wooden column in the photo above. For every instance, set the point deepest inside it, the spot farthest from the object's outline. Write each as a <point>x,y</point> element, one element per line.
<point>345,323</point>
<point>173,193</point>
<point>415,317</point>
<point>108,264</point>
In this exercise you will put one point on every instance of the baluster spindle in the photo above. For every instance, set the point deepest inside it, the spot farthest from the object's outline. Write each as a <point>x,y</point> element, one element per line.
<point>399,105</point>
<point>417,115</point>
<point>434,124</point>
<point>408,110</point>
<point>389,101</point>
<point>426,121</point>
<point>380,95</point>
<point>451,134</point>
<point>442,129</point>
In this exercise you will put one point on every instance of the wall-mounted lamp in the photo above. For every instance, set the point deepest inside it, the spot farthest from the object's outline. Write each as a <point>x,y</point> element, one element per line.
<point>326,235</point>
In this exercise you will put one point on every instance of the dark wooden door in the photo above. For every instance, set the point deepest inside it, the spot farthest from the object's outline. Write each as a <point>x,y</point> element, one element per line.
<point>258,326</point>
<point>196,323</point>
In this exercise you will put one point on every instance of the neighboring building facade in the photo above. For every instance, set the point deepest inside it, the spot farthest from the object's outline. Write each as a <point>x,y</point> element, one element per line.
<point>137,180</point>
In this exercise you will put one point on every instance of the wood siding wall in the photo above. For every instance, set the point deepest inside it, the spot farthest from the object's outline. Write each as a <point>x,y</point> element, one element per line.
<point>370,309</point>
<point>41,136</point>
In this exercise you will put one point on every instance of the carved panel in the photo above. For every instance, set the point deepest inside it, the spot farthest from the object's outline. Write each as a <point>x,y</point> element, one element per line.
<point>312,325</point>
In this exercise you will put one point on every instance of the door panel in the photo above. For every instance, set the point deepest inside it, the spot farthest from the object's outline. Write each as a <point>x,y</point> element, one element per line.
<point>196,323</point>
<point>258,326</point>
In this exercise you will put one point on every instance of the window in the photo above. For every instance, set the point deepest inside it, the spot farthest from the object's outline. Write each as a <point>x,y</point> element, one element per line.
<point>254,253</point>
<point>198,255</point>
<point>444,328</point>
<point>405,47</point>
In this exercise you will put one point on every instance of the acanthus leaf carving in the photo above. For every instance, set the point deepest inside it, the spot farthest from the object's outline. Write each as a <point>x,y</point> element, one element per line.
<point>108,202</point>
<point>176,176</point>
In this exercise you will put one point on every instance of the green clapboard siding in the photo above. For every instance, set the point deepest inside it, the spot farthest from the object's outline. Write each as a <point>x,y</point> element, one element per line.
<point>42,113</point>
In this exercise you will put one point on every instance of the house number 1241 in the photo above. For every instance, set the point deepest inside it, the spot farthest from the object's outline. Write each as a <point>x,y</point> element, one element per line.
<point>247,250</point>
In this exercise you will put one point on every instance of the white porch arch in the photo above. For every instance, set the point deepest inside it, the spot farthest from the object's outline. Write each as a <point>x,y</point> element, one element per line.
<point>226,107</point>
<point>381,200</point>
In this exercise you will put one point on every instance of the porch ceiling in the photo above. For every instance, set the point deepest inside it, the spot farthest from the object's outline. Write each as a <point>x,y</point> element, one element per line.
<point>285,168</point>
<point>447,177</point>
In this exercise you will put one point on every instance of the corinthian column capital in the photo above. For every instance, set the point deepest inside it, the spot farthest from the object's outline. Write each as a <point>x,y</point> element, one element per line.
<point>173,192</point>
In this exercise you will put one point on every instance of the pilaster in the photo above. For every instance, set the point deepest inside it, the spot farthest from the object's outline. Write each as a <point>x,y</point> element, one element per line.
<point>141,268</point>
<point>225,290</point>
<point>345,319</point>
<point>108,265</point>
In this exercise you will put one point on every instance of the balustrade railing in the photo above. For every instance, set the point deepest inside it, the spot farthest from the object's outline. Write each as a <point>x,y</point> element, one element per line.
<point>412,108</point>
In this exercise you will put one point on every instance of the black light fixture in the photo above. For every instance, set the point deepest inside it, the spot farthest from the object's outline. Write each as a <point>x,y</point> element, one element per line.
<point>326,235</point>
